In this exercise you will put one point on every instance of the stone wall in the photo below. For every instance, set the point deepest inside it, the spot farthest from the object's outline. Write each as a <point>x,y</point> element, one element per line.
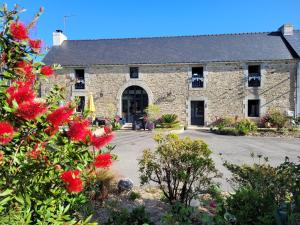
<point>225,92</point>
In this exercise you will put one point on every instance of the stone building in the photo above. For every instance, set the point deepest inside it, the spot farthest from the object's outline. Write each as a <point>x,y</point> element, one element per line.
<point>199,78</point>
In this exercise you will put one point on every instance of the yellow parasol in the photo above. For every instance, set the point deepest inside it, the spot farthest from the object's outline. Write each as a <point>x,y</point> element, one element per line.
<point>91,105</point>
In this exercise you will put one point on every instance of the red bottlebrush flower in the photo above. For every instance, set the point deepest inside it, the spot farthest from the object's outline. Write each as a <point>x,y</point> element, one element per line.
<point>60,115</point>
<point>72,180</point>
<point>47,71</point>
<point>6,132</point>
<point>25,68</point>
<point>18,31</point>
<point>30,110</point>
<point>107,130</point>
<point>51,131</point>
<point>34,154</point>
<point>103,160</point>
<point>78,130</point>
<point>22,93</point>
<point>101,141</point>
<point>35,45</point>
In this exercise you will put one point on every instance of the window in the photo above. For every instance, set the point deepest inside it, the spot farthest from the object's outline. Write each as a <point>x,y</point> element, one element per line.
<point>134,72</point>
<point>81,104</point>
<point>253,108</point>
<point>197,77</point>
<point>254,76</point>
<point>79,76</point>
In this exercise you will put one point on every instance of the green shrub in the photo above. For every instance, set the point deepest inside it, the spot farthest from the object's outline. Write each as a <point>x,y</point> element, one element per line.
<point>265,193</point>
<point>245,126</point>
<point>184,162</point>
<point>226,131</point>
<point>134,195</point>
<point>168,121</point>
<point>138,216</point>
<point>277,119</point>
<point>179,215</point>
<point>250,207</point>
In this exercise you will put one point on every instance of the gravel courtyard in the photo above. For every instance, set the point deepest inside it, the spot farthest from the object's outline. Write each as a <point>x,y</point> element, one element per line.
<point>130,144</point>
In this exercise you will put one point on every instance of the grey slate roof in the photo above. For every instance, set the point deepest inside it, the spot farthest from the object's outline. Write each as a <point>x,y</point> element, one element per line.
<point>164,50</point>
<point>294,41</point>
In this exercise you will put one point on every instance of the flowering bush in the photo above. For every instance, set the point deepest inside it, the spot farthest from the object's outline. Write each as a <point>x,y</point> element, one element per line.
<point>274,118</point>
<point>43,166</point>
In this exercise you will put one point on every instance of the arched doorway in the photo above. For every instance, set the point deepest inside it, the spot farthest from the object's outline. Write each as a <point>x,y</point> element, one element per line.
<point>134,102</point>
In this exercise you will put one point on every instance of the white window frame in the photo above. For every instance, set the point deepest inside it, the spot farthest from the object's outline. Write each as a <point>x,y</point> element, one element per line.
<point>190,77</point>
<point>85,83</point>
<point>262,106</point>
<point>262,74</point>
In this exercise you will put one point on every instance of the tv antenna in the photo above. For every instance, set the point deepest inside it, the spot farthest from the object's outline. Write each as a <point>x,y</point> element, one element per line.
<point>65,22</point>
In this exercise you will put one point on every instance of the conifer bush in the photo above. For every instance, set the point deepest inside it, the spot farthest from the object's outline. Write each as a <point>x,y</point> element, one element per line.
<point>43,166</point>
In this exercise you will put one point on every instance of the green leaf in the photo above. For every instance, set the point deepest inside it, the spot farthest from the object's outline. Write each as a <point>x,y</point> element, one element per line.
<point>7,109</point>
<point>20,199</point>
<point>6,192</point>
<point>5,200</point>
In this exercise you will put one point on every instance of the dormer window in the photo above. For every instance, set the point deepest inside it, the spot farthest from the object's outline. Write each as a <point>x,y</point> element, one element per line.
<point>254,76</point>
<point>134,72</point>
<point>79,77</point>
<point>197,77</point>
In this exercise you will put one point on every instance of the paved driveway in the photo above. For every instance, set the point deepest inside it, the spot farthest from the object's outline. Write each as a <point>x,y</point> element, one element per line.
<point>130,145</point>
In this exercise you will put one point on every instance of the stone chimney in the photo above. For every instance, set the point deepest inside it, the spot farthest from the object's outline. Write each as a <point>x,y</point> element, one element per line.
<point>287,29</point>
<point>58,38</point>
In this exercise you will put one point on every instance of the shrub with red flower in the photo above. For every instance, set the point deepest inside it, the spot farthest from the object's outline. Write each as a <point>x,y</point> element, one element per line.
<point>36,171</point>
<point>60,116</point>
<point>6,132</point>
<point>101,141</point>
<point>19,31</point>
<point>78,129</point>
<point>25,68</point>
<point>20,93</point>
<point>72,180</point>
<point>30,110</point>
<point>35,45</point>
<point>103,160</point>
<point>47,71</point>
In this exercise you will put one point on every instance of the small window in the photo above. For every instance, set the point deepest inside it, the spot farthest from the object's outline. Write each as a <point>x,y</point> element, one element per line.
<point>81,104</point>
<point>253,108</point>
<point>79,76</point>
<point>197,77</point>
<point>134,72</point>
<point>254,76</point>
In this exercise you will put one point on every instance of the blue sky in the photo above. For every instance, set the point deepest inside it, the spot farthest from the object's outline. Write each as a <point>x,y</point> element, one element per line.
<point>92,19</point>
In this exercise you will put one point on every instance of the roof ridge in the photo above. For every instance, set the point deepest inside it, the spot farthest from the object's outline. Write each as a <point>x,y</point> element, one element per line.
<point>179,36</point>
